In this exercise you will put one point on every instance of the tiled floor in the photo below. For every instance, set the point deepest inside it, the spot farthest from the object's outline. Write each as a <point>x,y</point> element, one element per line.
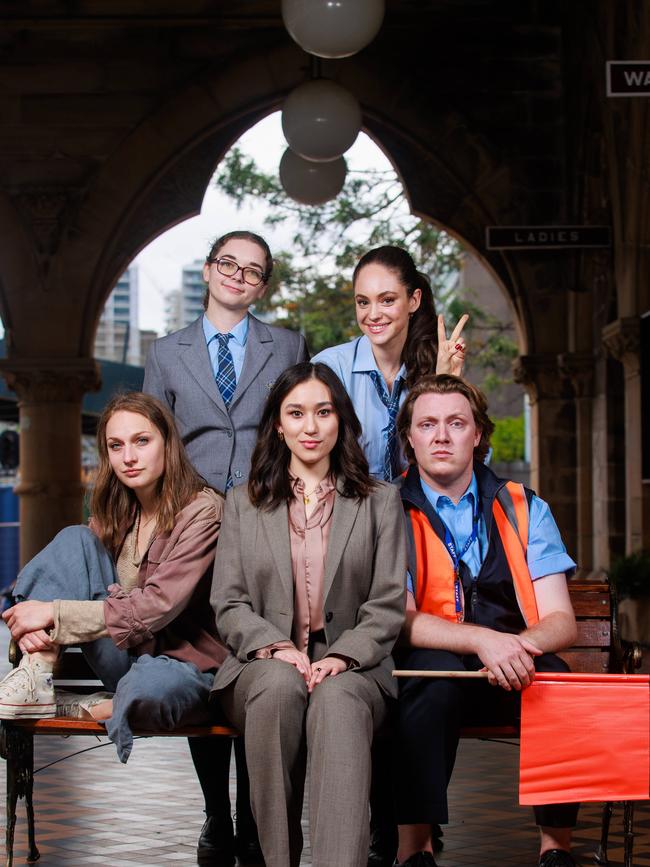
<point>90,809</point>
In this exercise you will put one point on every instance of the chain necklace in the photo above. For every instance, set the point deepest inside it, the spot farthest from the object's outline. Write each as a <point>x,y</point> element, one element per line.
<point>306,495</point>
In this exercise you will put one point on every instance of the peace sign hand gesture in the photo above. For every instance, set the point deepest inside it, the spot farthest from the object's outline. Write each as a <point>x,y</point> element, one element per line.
<point>451,353</point>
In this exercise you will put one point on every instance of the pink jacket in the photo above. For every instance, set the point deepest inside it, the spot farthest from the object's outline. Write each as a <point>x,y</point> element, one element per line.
<point>169,611</point>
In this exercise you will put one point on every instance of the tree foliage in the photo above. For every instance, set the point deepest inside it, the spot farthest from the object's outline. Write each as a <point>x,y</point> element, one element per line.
<point>311,288</point>
<point>508,439</point>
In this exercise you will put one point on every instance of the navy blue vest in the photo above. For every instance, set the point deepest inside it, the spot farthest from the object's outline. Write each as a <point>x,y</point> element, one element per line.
<point>490,598</point>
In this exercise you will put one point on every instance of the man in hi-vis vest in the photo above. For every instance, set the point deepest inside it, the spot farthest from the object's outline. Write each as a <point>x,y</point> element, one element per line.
<point>487,590</point>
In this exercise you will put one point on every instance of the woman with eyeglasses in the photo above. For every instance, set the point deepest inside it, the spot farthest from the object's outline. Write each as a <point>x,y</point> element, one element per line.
<point>214,376</point>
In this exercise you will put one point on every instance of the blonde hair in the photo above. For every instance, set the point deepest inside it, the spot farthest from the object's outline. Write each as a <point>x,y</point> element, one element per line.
<point>445,383</point>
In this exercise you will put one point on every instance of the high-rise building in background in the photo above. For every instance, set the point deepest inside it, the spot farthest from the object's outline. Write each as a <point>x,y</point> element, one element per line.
<point>147,337</point>
<point>184,305</point>
<point>118,334</point>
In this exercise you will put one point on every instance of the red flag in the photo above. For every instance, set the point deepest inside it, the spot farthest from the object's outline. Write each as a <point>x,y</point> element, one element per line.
<point>585,737</point>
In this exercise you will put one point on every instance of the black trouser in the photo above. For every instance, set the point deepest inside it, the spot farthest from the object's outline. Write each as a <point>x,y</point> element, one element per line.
<point>211,757</point>
<point>431,713</point>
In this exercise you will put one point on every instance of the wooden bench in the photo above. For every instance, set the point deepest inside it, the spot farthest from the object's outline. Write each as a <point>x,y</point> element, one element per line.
<point>598,650</point>
<point>17,741</point>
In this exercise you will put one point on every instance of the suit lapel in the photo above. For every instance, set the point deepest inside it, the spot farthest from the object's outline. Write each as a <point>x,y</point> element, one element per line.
<point>276,527</point>
<point>196,358</point>
<point>259,347</point>
<point>343,518</point>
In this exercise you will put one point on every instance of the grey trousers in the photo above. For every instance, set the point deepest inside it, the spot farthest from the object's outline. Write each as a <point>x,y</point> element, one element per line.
<point>154,693</point>
<point>284,728</point>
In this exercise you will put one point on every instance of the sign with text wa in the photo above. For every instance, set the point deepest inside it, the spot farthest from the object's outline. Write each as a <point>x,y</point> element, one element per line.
<point>628,78</point>
<point>546,237</point>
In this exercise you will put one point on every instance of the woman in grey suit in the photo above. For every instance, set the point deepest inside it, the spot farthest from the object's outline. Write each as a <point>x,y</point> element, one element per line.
<point>309,591</point>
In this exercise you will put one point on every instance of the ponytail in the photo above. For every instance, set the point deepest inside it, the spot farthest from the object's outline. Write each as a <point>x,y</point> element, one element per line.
<point>420,351</point>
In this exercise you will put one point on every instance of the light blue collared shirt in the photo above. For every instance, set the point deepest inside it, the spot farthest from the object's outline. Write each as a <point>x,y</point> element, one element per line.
<point>237,344</point>
<point>546,554</point>
<point>351,362</point>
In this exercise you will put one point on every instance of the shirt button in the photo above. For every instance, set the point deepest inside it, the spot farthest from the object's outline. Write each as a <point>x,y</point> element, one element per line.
<point>329,617</point>
<point>228,433</point>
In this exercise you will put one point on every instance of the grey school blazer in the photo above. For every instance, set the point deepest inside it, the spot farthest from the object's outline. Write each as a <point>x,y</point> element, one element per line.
<point>179,373</point>
<point>364,583</point>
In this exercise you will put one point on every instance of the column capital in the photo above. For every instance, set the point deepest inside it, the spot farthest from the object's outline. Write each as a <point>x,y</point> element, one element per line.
<point>578,368</point>
<point>50,380</point>
<point>540,375</point>
<point>622,340</point>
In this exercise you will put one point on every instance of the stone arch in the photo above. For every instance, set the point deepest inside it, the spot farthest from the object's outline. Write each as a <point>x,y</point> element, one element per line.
<point>185,140</point>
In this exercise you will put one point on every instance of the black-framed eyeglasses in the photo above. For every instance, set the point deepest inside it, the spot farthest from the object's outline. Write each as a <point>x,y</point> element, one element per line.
<point>249,274</point>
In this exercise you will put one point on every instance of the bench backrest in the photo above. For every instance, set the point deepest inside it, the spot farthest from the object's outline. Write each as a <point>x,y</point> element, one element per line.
<point>598,648</point>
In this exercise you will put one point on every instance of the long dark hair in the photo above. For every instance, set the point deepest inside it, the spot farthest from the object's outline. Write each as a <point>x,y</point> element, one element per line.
<point>240,235</point>
<point>269,484</point>
<point>421,348</point>
<point>112,503</point>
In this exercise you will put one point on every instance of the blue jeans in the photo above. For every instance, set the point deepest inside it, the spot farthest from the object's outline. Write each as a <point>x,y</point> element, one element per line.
<point>154,693</point>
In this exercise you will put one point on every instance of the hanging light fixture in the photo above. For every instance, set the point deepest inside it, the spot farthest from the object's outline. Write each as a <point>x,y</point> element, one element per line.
<point>321,120</point>
<point>311,183</point>
<point>333,28</point>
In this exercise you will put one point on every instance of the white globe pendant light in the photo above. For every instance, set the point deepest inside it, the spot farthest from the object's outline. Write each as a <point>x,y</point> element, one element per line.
<point>311,183</point>
<point>321,120</point>
<point>333,28</point>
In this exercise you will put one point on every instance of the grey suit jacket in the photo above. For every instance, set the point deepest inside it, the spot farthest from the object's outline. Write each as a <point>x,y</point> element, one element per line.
<point>179,373</point>
<point>364,583</point>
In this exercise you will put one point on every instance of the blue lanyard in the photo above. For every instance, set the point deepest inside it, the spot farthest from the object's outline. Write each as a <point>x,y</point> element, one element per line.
<point>450,544</point>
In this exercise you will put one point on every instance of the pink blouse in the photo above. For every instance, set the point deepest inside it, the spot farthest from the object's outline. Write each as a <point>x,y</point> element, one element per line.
<point>309,538</point>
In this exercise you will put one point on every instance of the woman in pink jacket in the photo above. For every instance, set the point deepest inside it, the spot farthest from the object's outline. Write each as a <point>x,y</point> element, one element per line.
<point>132,588</point>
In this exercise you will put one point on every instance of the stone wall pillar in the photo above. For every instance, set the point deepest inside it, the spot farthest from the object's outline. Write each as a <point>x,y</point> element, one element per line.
<point>49,402</point>
<point>622,339</point>
<point>553,440</point>
<point>578,368</point>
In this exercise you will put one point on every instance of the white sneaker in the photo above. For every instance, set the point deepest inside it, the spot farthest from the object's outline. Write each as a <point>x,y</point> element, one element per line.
<point>75,706</point>
<point>27,692</point>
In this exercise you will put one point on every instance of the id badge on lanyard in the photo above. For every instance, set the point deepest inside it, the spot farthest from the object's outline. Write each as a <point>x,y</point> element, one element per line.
<point>450,544</point>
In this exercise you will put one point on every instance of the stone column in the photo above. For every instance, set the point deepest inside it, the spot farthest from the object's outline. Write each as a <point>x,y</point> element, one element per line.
<point>622,339</point>
<point>49,402</point>
<point>553,442</point>
<point>578,368</point>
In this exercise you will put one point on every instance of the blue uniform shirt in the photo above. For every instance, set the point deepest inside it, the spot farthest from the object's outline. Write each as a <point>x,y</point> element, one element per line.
<point>236,345</point>
<point>351,362</point>
<point>546,554</point>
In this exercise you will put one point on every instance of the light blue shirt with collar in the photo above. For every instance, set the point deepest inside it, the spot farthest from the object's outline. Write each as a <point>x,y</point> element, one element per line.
<point>352,362</point>
<point>236,344</point>
<point>546,554</point>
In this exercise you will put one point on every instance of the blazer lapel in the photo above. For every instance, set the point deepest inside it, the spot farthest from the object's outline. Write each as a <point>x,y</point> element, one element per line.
<point>343,518</point>
<point>259,347</point>
<point>276,527</point>
<point>196,359</point>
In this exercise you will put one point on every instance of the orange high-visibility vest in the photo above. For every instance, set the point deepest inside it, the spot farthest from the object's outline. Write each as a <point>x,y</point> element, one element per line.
<point>434,587</point>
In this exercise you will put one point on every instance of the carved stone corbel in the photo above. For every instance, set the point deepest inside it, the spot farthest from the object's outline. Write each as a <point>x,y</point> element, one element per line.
<point>541,377</point>
<point>578,369</point>
<point>622,340</point>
